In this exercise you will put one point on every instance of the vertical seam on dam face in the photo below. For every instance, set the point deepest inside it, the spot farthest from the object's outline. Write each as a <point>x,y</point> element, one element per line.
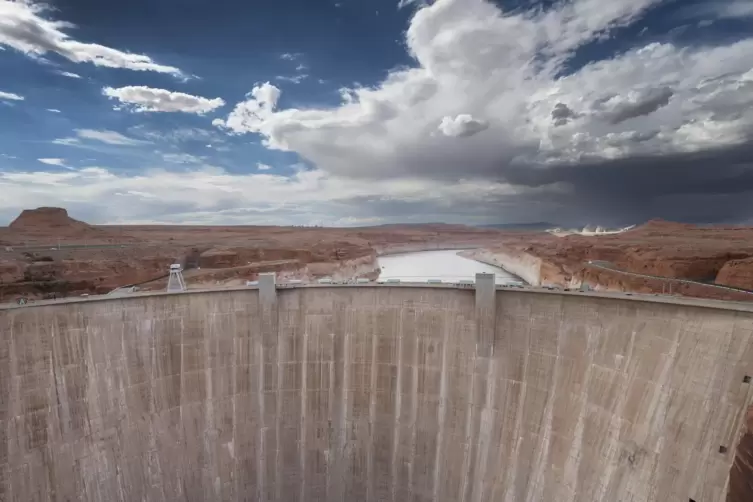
<point>375,393</point>
<point>441,408</point>
<point>372,415</point>
<point>398,408</point>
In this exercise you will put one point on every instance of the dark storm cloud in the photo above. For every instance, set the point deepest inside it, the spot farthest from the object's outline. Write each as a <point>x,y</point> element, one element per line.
<point>562,114</point>
<point>710,186</point>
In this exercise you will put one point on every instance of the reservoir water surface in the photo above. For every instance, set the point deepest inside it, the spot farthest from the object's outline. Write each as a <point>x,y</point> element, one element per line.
<point>445,265</point>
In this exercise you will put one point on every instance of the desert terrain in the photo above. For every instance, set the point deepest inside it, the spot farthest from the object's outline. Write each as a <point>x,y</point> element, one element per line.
<point>44,253</point>
<point>655,257</point>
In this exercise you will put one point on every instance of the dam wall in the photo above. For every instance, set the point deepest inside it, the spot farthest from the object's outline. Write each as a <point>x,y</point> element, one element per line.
<point>373,393</point>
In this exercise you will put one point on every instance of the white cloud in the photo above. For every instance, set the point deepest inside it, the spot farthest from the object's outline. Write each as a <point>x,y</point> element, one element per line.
<point>736,9</point>
<point>263,167</point>
<point>9,96</point>
<point>290,56</point>
<point>179,135</point>
<point>726,9</point>
<point>212,195</point>
<point>405,3</point>
<point>69,74</point>
<point>147,99</point>
<point>24,27</point>
<point>109,137</point>
<point>297,79</point>
<point>478,66</point>
<point>461,126</point>
<point>103,136</point>
<point>53,110</point>
<point>66,141</point>
<point>55,162</point>
<point>249,115</point>
<point>181,158</point>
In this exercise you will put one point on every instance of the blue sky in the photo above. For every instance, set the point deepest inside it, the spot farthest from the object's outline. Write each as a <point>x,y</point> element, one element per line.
<point>365,112</point>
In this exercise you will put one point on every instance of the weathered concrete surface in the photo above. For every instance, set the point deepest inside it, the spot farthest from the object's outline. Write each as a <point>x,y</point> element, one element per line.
<point>371,393</point>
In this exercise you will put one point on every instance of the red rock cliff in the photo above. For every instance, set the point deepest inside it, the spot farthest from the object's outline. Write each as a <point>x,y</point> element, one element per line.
<point>737,273</point>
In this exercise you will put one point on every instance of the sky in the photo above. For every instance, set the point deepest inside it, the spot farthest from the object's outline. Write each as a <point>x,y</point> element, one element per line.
<point>367,112</point>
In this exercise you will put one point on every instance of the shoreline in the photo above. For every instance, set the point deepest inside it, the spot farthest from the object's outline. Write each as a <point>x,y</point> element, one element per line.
<point>492,264</point>
<point>462,252</point>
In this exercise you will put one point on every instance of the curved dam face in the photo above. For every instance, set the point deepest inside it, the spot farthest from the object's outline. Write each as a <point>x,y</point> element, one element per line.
<point>373,394</point>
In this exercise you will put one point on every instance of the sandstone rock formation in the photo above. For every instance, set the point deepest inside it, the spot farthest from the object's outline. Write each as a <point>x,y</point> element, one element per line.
<point>737,273</point>
<point>712,254</point>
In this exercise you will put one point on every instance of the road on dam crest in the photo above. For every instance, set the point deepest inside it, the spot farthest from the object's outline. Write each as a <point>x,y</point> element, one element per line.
<point>374,393</point>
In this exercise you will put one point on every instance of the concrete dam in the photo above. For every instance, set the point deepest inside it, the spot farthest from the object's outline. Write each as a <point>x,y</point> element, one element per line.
<point>376,393</point>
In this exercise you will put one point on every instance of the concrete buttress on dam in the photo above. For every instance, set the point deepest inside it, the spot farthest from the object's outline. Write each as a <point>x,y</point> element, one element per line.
<point>374,393</point>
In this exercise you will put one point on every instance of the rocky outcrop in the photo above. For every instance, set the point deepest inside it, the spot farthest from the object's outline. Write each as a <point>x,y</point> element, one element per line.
<point>365,266</point>
<point>73,277</point>
<point>693,264</point>
<point>611,280</point>
<point>10,272</point>
<point>221,257</point>
<point>218,258</point>
<point>741,474</point>
<point>737,273</point>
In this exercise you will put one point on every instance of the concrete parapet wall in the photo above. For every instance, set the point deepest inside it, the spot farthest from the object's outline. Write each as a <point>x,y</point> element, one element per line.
<point>371,393</point>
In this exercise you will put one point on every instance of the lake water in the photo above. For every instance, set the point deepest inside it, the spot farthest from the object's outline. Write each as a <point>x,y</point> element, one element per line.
<point>445,265</point>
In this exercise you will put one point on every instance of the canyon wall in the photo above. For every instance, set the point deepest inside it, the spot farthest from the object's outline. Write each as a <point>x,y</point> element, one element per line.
<point>373,393</point>
<point>519,263</point>
<point>537,271</point>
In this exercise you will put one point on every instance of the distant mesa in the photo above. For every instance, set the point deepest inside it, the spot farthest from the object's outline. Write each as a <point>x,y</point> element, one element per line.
<point>48,218</point>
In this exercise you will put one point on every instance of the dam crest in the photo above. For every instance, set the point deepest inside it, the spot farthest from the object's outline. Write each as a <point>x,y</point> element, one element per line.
<point>378,392</point>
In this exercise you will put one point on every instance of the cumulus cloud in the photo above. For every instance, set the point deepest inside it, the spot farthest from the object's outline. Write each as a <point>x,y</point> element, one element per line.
<point>249,115</point>
<point>10,96</point>
<point>146,99</point>
<point>263,167</point>
<point>102,136</point>
<point>461,126</point>
<point>513,72</point>
<point>26,27</point>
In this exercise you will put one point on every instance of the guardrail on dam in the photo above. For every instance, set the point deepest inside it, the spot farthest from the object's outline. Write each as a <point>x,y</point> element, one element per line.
<point>374,393</point>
